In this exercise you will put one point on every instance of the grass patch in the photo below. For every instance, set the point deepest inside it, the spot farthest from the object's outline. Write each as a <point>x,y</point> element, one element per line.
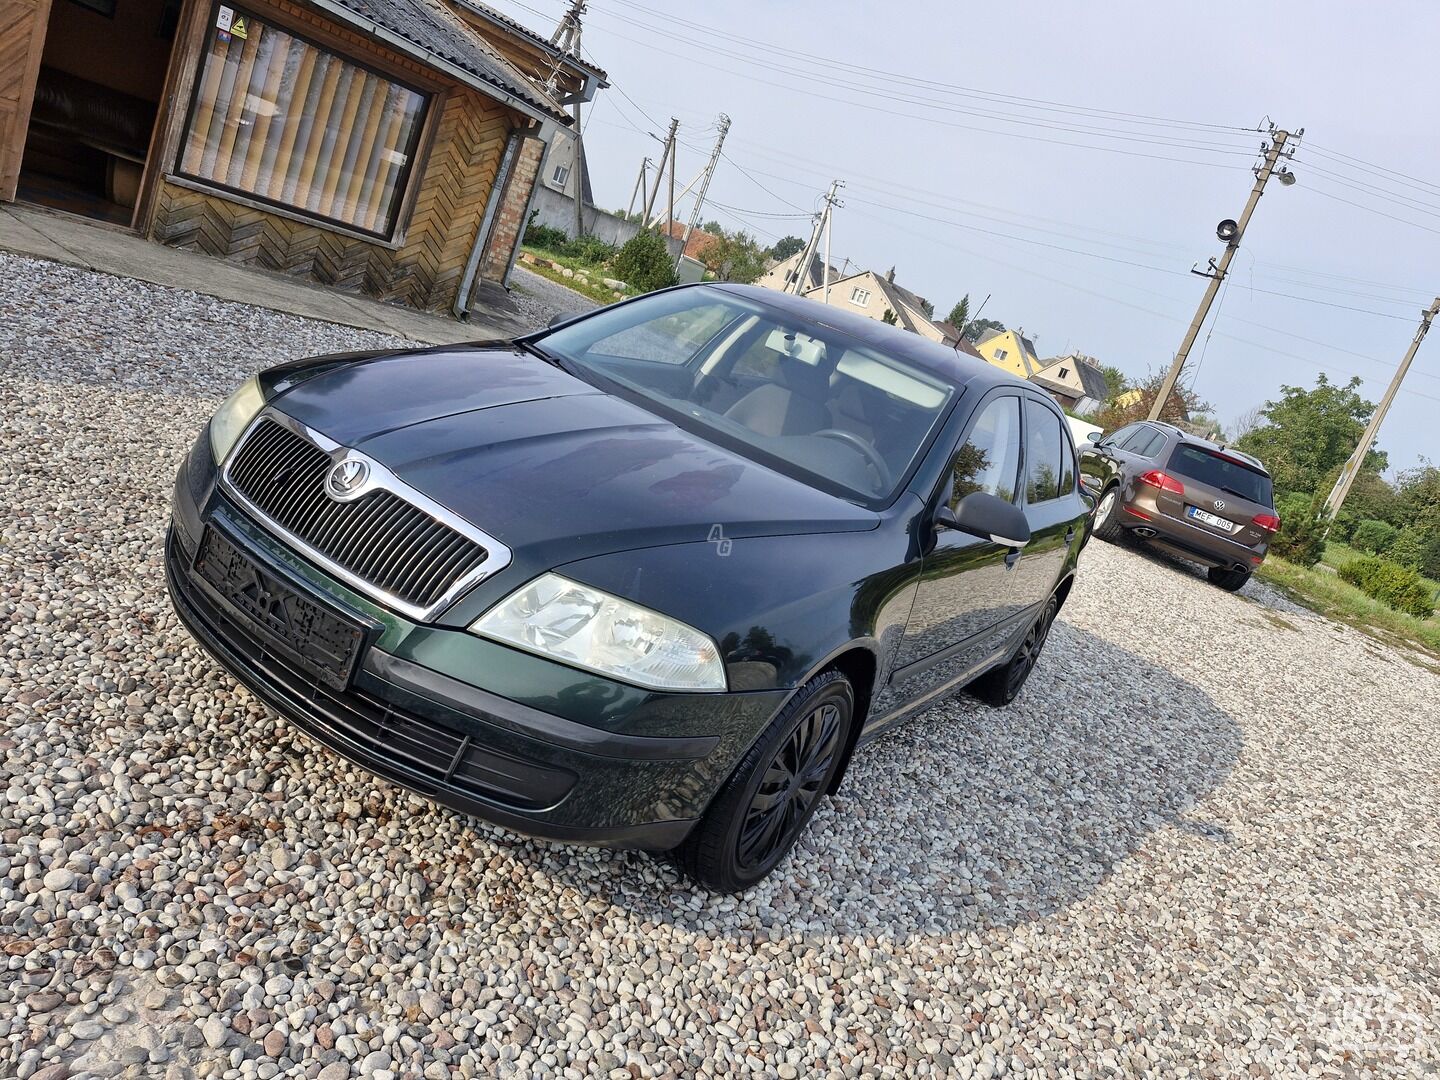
<point>593,290</point>
<point>1329,595</point>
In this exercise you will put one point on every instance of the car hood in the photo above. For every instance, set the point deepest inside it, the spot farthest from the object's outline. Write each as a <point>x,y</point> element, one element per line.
<point>548,464</point>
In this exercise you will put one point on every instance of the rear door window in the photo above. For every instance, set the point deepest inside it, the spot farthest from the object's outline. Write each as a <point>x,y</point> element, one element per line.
<point>1220,472</point>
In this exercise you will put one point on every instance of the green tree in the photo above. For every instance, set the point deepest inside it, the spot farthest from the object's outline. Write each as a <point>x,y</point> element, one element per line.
<point>786,246</point>
<point>1112,416</point>
<point>644,262</point>
<point>1373,536</point>
<point>1309,433</point>
<point>979,326</point>
<point>734,256</point>
<point>960,314</point>
<point>889,317</point>
<point>1302,536</point>
<point>1116,381</point>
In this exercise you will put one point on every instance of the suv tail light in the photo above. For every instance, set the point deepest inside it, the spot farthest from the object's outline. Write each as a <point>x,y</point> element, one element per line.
<point>1269,522</point>
<point>1157,479</point>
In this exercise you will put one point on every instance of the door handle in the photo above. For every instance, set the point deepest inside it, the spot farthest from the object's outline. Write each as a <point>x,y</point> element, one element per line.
<point>1011,559</point>
<point>1069,535</point>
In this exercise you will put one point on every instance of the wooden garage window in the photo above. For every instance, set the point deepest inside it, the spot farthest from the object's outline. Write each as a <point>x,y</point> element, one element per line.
<point>283,121</point>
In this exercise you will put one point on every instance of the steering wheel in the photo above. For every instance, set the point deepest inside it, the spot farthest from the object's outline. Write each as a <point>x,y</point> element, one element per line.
<point>871,455</point>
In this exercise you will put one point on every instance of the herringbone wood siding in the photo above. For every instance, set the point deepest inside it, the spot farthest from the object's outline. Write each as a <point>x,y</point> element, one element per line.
<point>424,272</point>
<point>22,36</point>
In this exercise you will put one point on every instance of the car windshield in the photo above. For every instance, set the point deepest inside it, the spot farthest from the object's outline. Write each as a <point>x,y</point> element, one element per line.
<point>1205,467</point>
<point>805,399</point>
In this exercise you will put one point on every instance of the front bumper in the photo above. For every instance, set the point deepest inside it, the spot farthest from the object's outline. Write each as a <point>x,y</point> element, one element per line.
<point>532,770</point>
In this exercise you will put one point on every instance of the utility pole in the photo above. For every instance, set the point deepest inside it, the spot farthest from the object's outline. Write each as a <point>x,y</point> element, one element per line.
<point>639,190</point>
<point>1231,233</point>
<point>802,267</point>
<point>667,157</point>
<point>567,39</point>
<point>704,186</point>
<point>1336,499</point>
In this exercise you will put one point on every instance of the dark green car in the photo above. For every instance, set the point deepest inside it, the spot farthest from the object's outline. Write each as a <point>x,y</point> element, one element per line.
<point>647,578</point>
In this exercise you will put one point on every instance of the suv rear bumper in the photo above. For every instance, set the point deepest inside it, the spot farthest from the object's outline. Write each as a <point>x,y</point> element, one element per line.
<point>1142,518</point>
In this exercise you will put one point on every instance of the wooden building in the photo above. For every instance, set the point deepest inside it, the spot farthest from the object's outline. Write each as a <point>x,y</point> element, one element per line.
<point>387,147</point>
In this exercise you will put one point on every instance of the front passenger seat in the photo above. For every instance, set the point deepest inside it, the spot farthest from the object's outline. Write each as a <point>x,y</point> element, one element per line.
<point>795,405</point>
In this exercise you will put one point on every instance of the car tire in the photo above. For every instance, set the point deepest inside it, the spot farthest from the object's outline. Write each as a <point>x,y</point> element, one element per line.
<point>759,813</point>
<point>1001,685</point>
<point>1228,579</point>
<point>1107,514</point>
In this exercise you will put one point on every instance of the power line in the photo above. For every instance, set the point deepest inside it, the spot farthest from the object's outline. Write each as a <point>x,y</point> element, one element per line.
<point>1368,209</point>
<point>1039,104</point>
<point>1361,165</point>
<point>935,121</point>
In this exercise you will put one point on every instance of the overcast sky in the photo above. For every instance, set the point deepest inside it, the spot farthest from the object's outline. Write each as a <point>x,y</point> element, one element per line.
<point>931,184</point>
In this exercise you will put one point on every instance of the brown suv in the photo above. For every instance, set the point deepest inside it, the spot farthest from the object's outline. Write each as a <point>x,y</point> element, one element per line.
<point>1185,494</point>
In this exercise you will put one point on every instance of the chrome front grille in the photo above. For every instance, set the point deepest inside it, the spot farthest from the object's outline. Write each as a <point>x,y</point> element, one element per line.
<point>385,539</point>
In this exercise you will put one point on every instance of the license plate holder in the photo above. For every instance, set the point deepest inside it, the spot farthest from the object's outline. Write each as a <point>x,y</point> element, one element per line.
<point>287,619</point>
<point>1213,520</point>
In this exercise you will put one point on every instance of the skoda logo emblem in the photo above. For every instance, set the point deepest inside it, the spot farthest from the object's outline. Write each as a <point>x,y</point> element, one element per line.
<point>346,478</point>
<point>1219,504</point>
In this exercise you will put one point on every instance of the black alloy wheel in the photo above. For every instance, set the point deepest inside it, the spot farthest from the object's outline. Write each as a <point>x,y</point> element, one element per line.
<point>763,808</point>
<point>1001,685</point>
<point>789,787</point>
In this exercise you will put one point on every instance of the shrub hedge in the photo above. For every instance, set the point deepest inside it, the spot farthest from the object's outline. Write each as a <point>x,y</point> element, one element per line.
<point>1373,536</point>
<point>1394,585</point>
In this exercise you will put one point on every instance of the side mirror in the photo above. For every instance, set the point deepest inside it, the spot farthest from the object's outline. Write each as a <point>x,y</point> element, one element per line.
<point>1094,436</point>
<point>562,317</point>
<point>986,515</point>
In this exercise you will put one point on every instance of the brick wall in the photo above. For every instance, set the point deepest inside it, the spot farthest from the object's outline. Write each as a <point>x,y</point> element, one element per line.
<point>509,225</point>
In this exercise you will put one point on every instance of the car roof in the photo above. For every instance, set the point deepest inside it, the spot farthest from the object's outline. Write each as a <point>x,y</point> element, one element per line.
<point>1219,448</point>
<point>942,360</point>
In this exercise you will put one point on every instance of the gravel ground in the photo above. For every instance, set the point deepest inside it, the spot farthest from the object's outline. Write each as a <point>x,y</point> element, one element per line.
<point>540,299</point>
<point>1203,842</point>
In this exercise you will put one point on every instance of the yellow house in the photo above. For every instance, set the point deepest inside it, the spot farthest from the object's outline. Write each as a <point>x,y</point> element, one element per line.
<point>1011,350</point>
<point>1128,398</point>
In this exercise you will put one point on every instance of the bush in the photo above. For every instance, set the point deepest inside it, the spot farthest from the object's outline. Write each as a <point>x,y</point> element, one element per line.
<point>1373,536</point>
<point>590,249</point>
<point>644,262</point>
<point>1394,585</point>
<point>543,236</point>
<point>1417,548</point>
<point>1301,538</point>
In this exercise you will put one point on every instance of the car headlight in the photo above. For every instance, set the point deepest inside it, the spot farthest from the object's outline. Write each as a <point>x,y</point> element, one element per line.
<point>234,416</point>
<point>590,629</point>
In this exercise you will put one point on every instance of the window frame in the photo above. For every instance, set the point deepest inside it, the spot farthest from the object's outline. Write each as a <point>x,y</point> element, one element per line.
<point>1065,444</point>
<point>1113,440</point>
<point>556,178</point>
<point>945,491</point>
<point>858,291</point>
<point>406,185</point>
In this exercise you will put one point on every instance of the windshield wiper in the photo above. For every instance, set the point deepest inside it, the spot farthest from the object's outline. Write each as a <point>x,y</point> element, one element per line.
<point>1232,491</point>
<point>543,354</point>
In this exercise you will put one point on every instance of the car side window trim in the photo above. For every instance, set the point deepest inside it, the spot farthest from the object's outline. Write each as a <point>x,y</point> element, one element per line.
<point>946,486</point>
<point>1066,443</point>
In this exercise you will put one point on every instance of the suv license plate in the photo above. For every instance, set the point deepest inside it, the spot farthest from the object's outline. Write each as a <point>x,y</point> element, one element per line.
<point>1210,519</point>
